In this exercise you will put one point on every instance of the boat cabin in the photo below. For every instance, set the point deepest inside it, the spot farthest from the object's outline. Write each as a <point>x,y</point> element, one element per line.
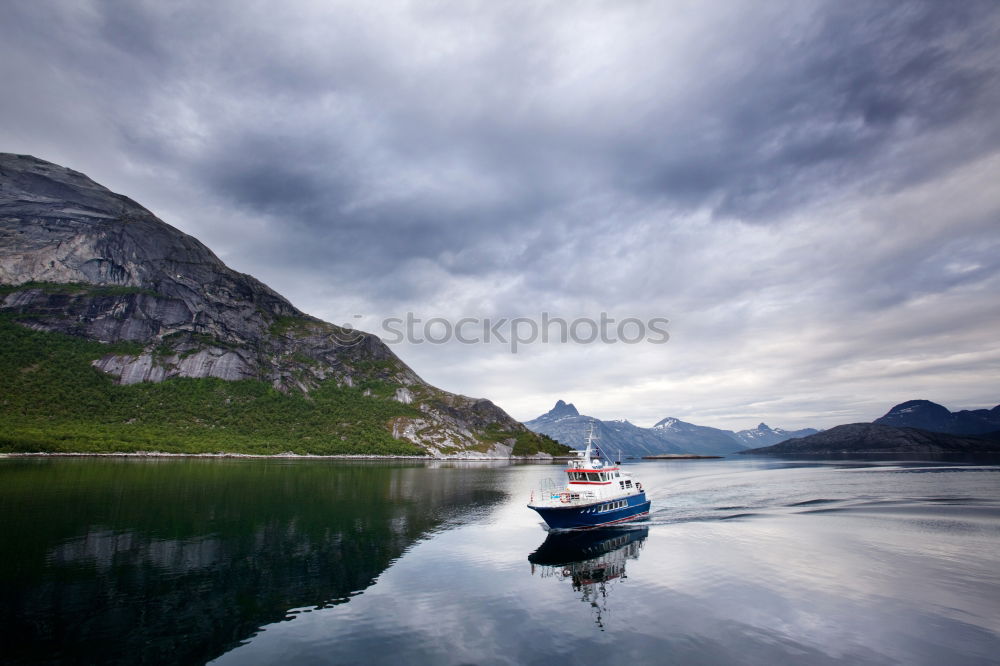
<point>605,477</point>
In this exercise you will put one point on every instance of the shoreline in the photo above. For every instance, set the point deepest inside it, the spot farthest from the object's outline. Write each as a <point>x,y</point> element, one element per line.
<point>282,456</point>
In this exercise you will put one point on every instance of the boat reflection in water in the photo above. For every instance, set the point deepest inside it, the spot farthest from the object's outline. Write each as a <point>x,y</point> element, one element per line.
<point>593,560</point>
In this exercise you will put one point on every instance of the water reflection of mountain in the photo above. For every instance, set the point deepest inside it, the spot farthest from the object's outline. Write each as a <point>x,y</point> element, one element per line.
<point>592,560</point>
<point>179,561</point>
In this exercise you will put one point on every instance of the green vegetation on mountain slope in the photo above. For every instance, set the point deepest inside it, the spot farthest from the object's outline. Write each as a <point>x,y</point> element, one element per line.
<point>52,399</point>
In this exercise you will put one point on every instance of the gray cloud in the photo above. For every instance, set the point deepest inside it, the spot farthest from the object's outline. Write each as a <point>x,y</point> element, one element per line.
<point>758,173</point>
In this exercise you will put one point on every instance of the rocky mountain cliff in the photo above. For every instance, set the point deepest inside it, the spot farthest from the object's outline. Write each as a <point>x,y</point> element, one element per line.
<point>79,260</point>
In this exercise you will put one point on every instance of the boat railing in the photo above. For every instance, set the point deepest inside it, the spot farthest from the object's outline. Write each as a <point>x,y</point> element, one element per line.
<point>551,492</point>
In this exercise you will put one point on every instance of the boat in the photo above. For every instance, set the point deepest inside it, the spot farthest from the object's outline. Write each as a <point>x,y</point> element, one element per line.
<point>597,494</point>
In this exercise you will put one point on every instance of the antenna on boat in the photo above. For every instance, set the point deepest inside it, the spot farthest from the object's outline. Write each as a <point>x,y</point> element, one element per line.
<point>590,442</point>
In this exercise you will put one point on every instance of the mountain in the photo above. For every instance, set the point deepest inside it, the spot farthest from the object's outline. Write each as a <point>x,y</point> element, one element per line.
<point>937,418</point>
<point>764,435</point>
<point>122,333</point>
<point>697,439</point>
<point>564,423</point>
<point>877,438</point>
<point>560,410</point>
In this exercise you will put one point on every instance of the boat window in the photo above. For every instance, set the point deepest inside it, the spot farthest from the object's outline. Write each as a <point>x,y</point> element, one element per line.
<point>593,476</point>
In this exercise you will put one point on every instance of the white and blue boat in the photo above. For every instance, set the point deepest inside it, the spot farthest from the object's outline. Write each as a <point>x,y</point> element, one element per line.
<point>597,493</point>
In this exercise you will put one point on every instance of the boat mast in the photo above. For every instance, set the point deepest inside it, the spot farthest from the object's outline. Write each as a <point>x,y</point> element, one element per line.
<point>590,441</point>
<point>591,446</point>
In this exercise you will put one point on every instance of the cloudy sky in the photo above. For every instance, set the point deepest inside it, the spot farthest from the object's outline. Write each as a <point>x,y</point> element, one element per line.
<point>808,191</point>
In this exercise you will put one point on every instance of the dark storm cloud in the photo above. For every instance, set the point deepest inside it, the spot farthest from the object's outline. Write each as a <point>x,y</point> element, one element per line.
<point>813,112</point>
<point>751,167</point>
<point>811,107</point>
<point>819,111</point>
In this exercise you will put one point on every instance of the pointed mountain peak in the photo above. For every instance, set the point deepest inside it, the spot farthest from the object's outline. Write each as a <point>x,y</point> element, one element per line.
<point>763,426</point>
<point>563,408</point>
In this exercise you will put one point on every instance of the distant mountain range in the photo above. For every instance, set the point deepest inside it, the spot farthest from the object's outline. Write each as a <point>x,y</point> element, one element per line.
<point>915,426</point>
<point>670,435</point>
<point>877,438</point>
<point>931,416</point>
<point>763,435</point>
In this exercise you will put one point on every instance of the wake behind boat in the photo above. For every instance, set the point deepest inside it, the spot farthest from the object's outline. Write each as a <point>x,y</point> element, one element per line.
<point>597,493</point>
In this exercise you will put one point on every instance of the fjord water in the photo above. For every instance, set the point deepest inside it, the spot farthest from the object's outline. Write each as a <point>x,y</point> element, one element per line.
<point>319,561</point>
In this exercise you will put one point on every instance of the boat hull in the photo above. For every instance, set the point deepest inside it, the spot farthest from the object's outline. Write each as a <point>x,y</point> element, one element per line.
<point>589,516</point>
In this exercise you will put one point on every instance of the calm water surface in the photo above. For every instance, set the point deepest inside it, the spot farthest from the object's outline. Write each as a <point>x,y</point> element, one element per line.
<point>262,562</point>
